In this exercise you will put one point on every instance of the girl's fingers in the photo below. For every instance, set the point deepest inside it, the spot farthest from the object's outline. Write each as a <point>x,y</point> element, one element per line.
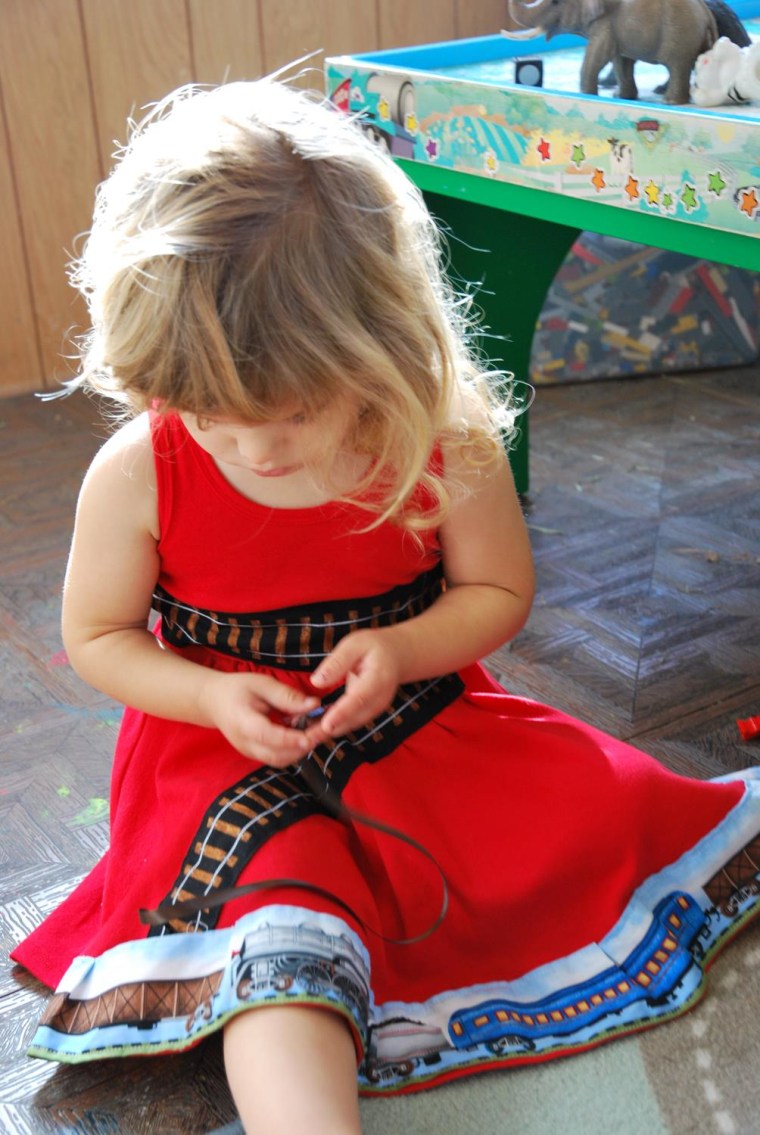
<point>268,724</point>
<point>365,697</point>
<point>279,746</point>
<point>283,698</point>
<point>340,662</point>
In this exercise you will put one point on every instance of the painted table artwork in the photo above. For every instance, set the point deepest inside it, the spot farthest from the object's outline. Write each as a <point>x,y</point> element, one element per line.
<point>455,106</point>
<point>515,173</point>
<point>703,167</point>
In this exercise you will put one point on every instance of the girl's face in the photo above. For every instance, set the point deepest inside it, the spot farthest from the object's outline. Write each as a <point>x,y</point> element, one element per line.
<point>267,449</point>
<point>267,458</point>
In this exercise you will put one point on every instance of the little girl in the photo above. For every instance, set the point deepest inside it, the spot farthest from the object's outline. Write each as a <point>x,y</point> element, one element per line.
<point>312,495</point>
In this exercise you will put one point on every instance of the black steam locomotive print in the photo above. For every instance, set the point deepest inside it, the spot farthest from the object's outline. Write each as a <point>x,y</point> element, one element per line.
<point>302,959</point>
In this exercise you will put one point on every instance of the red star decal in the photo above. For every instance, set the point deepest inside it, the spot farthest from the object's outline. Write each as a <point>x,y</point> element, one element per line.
<point>544,149</point>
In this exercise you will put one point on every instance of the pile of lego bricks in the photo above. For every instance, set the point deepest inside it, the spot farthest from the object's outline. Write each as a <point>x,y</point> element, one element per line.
<point>617,308</point>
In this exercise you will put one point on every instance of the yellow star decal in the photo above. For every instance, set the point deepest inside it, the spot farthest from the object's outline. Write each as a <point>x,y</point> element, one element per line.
<point>652,193</point>
<point>490,162</point>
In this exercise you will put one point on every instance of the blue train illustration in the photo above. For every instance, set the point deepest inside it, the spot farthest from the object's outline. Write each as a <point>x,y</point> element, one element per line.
<point>651,972</point>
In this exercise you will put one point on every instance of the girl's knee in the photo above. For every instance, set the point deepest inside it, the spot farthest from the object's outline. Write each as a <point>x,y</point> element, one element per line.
<point>292,1069</point>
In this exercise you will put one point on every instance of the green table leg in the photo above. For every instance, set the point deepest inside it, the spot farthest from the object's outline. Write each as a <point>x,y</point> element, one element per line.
<point>512,259</point>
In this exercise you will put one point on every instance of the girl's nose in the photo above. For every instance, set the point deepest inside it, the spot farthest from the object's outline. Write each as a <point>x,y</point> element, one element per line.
<point>257,449</point>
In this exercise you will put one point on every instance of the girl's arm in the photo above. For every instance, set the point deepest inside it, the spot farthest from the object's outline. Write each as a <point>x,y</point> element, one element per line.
<point>111,575</point>
<point>489,590</point>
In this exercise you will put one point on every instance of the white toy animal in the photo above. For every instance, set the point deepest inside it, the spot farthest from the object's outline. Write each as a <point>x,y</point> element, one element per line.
<point>727,73</point>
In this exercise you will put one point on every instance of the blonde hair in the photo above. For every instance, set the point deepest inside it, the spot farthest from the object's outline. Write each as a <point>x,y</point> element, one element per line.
<point>253,249</point>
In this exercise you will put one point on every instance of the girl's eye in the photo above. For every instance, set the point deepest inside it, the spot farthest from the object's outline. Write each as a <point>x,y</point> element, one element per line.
<point>299,420</point>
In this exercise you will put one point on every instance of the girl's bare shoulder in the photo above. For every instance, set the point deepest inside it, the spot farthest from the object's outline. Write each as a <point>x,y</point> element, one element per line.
<point>127,451</point>
<point>122,473</point>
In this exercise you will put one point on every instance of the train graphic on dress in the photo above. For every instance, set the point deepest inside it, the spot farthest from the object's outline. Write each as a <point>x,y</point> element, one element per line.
<point>273,962</point>
<point>302,959</point>
<point>650,972</point>
<point>680,934</point>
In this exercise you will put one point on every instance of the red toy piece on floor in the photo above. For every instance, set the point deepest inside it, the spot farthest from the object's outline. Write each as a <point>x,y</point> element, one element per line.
<point>749,728</point>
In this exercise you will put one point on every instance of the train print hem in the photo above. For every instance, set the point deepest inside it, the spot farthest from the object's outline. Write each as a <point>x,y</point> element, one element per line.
<point>166,994</point>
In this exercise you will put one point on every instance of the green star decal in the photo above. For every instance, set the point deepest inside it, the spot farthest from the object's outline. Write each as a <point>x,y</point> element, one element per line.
<point>667,200</point>
<point>579,155</point>
<point>716,183</point>
<point>689,196</point>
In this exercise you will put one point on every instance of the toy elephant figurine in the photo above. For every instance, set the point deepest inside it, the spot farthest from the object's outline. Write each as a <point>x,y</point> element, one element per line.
<point>671,32</point>
<point>727,73</point>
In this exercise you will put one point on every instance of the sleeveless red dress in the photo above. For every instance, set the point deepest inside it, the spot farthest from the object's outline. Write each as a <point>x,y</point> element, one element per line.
<point>587,885</point>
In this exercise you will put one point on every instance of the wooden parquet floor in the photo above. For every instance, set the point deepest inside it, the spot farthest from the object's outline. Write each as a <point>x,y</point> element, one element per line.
<point>645,517</point>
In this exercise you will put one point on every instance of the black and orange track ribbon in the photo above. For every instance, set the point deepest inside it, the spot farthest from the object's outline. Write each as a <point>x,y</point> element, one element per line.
<point>312,774</point>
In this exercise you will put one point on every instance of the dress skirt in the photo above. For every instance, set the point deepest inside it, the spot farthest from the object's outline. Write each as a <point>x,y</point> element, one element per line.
<point>587,887</point>
<point>561,888</point>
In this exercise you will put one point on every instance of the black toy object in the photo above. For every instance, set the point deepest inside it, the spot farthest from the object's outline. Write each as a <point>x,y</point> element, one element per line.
<point>729,23</point>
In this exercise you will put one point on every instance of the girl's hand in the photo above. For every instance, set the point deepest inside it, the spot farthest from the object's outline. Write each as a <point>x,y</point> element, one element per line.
<point>370,666</point>
<point>249,708</point>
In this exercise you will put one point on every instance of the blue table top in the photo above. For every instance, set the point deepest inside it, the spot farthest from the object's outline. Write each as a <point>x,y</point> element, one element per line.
<point>561,60</point>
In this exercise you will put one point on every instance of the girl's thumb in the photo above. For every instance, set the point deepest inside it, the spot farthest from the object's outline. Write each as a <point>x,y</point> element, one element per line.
<point>328,673</point>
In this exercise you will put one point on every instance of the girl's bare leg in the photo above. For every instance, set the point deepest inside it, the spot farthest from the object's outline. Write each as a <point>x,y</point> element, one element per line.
<point>292,1070</point>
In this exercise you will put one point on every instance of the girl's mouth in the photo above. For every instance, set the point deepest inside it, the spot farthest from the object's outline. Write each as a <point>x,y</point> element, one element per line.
<point>282,471</point>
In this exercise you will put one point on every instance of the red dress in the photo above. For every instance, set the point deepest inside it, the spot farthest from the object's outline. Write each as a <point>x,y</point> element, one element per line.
<point>587,885</point>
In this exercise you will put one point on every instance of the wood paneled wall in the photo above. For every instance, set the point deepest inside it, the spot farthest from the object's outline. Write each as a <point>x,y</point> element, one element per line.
<point>72,71</point>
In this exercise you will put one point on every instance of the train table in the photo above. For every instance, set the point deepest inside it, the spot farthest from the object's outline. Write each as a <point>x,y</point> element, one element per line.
<point>516,171</point>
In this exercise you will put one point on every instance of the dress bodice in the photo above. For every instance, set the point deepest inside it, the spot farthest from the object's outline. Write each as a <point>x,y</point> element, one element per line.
<point>219,550</point>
